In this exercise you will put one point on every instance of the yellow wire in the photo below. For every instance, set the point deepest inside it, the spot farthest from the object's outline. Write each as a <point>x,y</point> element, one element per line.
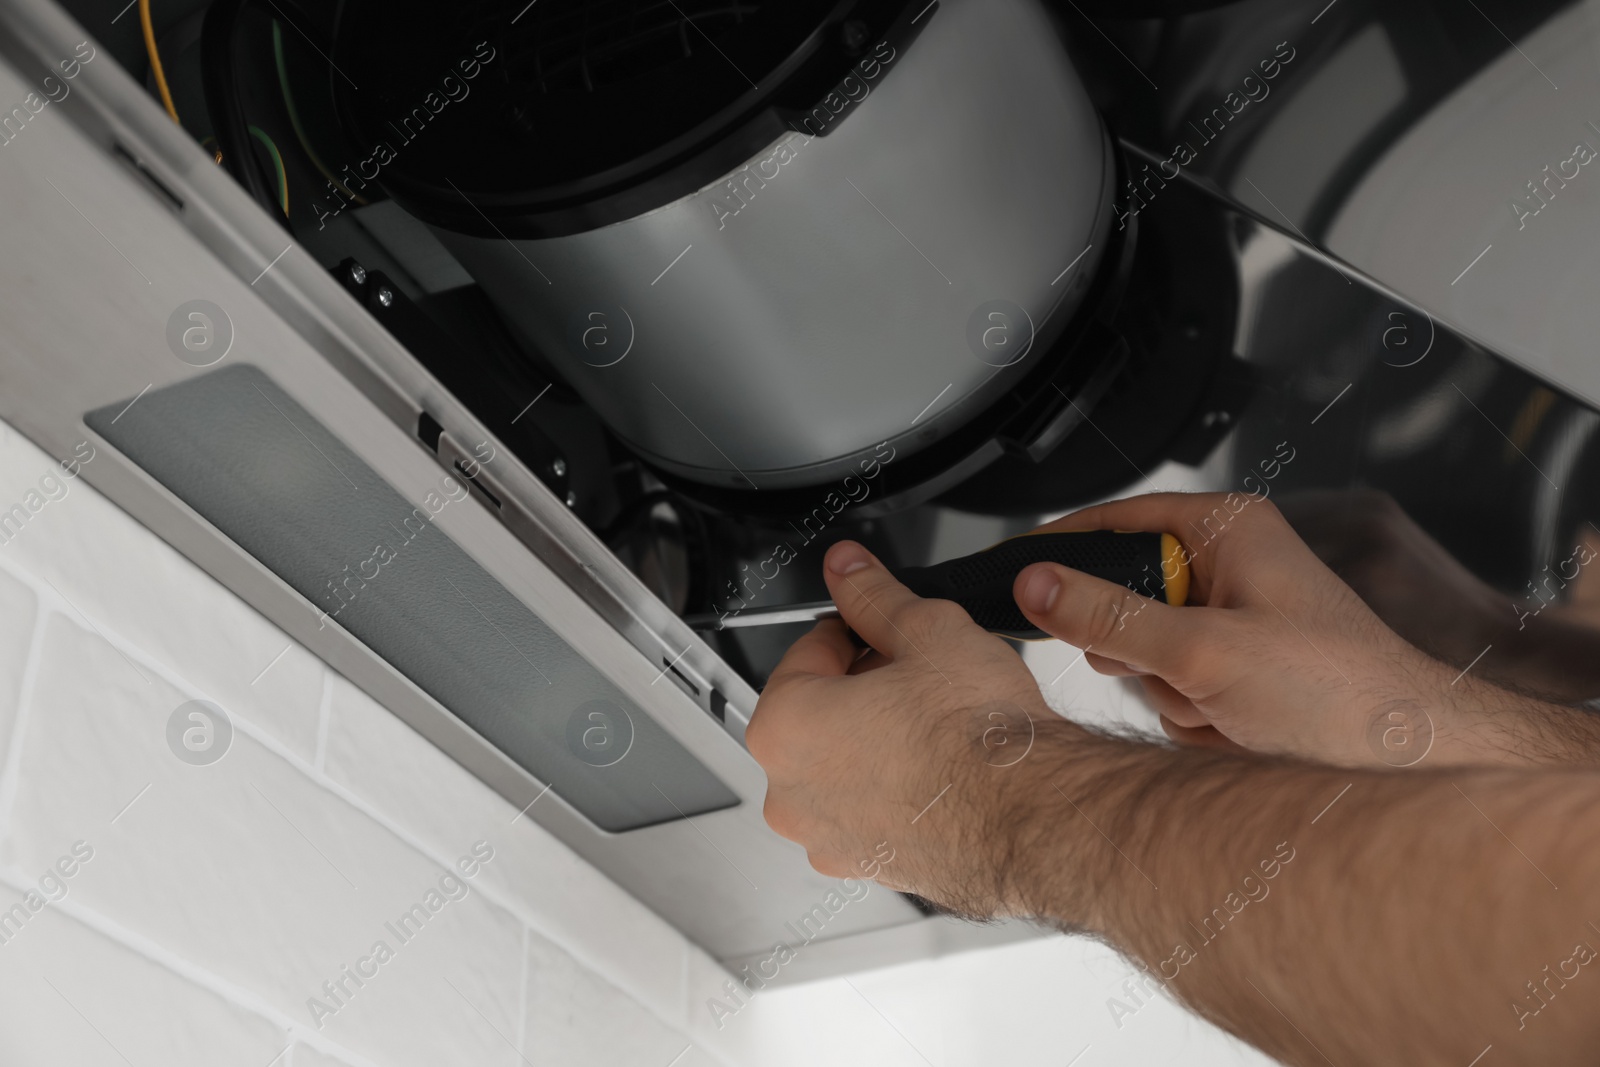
<point>277,162</point>
<point>155,59</point>
<point>277,159</point>
<point>294,116</point>
<point>172,110</point>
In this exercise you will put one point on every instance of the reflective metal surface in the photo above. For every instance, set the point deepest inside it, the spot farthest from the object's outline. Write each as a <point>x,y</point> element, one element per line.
<point>1443,149</point>
<point>1408,196</point>
<point>1382,218</point>
<point>843,298</point>
<point>772,616</point>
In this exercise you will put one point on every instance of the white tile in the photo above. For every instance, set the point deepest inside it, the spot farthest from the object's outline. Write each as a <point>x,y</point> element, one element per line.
<point>821,1022</point>
<point>761,1031</point>
<point>1042,1001</point>
<point>60,983</point>
<point>551,887</point>
<point>18,609</point>
<point>251,871</point>
<point>307,1056</point>
<point>704,978</point>
<point>132,584</point>
<point>575,1017</point>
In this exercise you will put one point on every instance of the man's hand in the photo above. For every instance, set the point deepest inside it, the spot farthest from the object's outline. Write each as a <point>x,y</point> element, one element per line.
<point>904,748</point>
<point>1317,912</point>
<point>1275,654</point>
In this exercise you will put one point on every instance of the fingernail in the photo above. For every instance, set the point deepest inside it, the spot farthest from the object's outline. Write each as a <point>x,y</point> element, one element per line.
<point>847,557</point>
<point>1040,591</point>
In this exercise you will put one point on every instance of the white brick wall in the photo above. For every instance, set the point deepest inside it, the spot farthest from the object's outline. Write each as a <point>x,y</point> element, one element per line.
<point>219,898</point>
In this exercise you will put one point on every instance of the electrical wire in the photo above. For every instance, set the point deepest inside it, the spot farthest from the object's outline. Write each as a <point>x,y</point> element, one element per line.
<point>147,24</point>
<point>155,60</point>
<point>277,162</point>
<point>217,69</point>
<point>294,115</point>
<point>283,183</point>
<point>698,548</point>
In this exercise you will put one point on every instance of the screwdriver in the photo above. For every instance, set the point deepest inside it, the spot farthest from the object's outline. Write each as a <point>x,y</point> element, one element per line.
<point>1155,565</point>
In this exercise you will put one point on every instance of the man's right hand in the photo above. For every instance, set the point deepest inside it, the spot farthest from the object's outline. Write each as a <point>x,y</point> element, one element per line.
<point>1275,654</point>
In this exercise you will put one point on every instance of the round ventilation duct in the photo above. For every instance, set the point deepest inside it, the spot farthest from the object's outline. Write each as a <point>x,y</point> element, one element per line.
<point>768,241</point>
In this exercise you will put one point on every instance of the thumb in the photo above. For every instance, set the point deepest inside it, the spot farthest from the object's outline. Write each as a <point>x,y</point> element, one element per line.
<point>1114,621</point>
<point>870,600</point>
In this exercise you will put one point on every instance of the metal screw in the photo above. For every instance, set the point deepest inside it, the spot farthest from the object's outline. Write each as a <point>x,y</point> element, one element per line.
<point>358,274</point>
<point>385,296</point>
<point>558,467</point>
<point>572,499</point>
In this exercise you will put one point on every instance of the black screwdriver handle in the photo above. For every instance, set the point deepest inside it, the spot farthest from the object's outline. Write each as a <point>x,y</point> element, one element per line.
<point>1153,564</point>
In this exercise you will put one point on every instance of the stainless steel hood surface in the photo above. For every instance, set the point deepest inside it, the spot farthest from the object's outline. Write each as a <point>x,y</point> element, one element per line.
<point>1443,150</point>
<point>778,342</point>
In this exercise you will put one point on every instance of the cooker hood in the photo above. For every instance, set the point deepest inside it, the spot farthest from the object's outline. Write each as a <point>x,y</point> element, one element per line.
<point>397,429</point>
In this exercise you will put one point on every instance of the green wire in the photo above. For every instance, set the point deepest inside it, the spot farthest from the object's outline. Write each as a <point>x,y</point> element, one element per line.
<point>294,114</point>
<point>277,161</point>
<point>283,187</point>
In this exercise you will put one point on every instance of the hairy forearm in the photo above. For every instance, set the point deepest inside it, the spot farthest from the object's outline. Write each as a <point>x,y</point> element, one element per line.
<point>1325,915</point>
<point>1430,715</point>
<point>1490,724</point>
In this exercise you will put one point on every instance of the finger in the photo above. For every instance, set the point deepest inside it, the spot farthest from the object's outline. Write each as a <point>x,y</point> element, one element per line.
<point>868,597</point>
<point>1171,704</point>
<point>1111,668</point>
<point>1151,513</point>
<point>826,650</point>
<point>1117,623</point>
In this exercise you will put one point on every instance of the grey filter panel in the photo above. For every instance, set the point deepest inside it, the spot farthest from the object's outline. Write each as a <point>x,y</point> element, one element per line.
<point>242,453</point>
